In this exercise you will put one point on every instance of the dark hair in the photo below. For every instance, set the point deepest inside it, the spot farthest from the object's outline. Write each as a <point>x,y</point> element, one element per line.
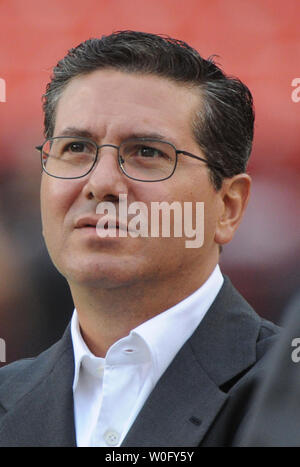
<point>223,125</point>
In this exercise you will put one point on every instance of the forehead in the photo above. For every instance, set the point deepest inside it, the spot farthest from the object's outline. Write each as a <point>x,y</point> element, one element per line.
<point>117,104</point>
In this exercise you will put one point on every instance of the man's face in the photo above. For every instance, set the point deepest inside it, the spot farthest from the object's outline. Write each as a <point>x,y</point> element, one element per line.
<point>111,107</point>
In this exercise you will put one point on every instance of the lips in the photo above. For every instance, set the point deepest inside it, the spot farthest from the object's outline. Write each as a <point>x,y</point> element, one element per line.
<point>91,222</point>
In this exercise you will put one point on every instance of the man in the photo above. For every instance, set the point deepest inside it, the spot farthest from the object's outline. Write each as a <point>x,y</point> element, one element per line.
<point>161,349</point>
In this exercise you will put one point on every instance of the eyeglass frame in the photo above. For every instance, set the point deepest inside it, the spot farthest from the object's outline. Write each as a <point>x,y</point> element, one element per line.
<point>82,138</point>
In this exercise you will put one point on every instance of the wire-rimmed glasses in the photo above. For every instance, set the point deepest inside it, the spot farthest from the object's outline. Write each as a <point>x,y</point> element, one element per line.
<point>141,159</point>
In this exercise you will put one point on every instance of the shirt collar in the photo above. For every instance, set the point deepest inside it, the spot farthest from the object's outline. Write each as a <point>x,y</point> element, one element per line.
<point>178,323</point>
<point>132,349</point>
<point>175,325</point>
<point>81,351</point>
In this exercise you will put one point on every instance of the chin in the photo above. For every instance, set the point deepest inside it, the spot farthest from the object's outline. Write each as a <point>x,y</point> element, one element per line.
<point>106,275</point>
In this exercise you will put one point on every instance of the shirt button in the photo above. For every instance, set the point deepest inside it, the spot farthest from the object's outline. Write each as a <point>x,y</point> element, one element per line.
<point>100,370</point>
<point>111,437</point>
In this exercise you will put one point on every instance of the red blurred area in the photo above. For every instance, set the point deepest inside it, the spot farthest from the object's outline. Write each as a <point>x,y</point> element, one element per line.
<point>257,40</point>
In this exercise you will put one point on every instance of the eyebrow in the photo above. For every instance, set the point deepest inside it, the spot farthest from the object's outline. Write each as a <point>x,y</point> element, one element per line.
<point>74,131</point>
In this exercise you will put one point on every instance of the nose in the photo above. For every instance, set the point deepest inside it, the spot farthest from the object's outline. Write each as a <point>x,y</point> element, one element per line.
<point>106,179</point>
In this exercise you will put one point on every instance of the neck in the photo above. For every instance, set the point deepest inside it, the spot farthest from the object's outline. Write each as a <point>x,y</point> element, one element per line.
<point>108,314</point>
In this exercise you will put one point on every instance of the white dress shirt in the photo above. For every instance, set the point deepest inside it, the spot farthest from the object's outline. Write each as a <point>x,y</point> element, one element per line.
<point>109,392</point>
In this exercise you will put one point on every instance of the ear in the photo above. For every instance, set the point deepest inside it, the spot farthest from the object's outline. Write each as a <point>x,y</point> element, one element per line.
<point>234,196</point>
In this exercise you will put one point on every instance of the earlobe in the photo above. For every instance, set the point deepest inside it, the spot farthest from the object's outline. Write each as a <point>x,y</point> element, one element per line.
<point>234,196</point>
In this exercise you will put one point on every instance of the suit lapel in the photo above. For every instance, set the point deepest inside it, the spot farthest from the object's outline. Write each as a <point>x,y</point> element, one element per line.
<point>180,409</point>
<point>190,394</point>
<point>45,398</point>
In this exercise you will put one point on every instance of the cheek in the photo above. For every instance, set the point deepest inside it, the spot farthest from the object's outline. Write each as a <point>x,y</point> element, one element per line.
<point>165,191</point>
<point>56,198</point>
<point>198,190</point>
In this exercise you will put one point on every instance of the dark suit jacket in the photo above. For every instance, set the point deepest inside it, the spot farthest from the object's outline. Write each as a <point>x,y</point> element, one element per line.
<point>275,417</point>
<point>202,398</point>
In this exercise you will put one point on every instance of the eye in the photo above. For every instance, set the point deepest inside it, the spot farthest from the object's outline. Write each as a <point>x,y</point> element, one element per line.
<point>141,151</point>
<point>147,151</point>
<point>77,146</point>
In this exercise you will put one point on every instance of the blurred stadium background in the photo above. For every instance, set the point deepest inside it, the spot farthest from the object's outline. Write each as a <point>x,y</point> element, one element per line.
<point>257,40</point>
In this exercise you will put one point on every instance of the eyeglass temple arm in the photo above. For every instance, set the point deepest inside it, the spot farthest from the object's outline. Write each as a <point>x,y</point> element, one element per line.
<point>214,166</point>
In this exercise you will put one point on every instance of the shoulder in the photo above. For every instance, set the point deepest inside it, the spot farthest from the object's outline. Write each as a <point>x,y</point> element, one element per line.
<point>23,375</point>
<point>236,359</point>
<point>13,369</point>
<point>27,368</point>
<point>233,341</point>
<point>233,331</point>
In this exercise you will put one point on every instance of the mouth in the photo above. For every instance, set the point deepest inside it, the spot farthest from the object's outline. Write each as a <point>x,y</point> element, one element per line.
<point>94,223</point>
<point>109,225</point>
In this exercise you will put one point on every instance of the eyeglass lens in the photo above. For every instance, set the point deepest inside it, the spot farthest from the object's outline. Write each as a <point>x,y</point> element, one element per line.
<point>70,157</point>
